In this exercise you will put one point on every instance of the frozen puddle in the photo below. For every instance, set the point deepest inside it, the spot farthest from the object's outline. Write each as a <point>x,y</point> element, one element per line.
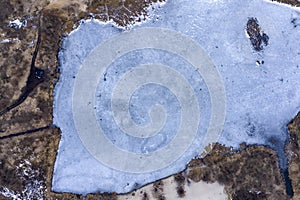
<point>135,107</point>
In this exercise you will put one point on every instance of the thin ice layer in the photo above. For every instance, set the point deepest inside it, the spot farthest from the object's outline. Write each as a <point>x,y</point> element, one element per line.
<point>260,99</point>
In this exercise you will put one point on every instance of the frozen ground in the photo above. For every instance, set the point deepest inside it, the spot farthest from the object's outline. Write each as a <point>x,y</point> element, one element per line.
<point>260,100</point>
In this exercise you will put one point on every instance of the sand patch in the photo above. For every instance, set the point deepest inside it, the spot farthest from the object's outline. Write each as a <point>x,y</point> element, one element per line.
<point>170,189</point>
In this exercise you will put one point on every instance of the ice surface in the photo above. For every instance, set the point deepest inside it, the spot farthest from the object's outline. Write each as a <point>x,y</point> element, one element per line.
<point>261,100</point>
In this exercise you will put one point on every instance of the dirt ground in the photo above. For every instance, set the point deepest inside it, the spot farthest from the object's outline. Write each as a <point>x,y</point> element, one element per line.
<point>293,153</point>
<point>29,142</point>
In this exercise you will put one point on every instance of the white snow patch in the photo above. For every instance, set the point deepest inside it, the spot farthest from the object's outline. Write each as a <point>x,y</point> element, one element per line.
<point>8,40</point>
<point>17,23</point>
<point>5,41</point>
<point>10,194</point>
<point>33,189</point>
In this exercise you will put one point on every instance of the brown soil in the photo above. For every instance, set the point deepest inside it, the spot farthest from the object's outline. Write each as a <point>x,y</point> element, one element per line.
<point>27,163</point>
<point>293,152</point>
<point>248,173</point>
<point>290,2</point>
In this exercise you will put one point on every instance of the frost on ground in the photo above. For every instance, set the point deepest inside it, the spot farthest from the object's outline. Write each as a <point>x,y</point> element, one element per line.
<point>261,99</point>
<point>17,23</point>
<point>26,163</point>
<point>33,188</point>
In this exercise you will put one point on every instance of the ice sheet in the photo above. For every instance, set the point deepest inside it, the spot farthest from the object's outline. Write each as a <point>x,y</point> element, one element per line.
<point>260,100</point>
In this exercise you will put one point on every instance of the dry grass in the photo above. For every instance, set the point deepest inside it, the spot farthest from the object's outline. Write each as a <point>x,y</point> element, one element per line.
<point>293,152</point>
<point>248,173</point>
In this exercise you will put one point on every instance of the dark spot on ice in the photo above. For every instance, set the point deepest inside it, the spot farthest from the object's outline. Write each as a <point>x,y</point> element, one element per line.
<point>136,185</point>
<point>265,39</point>
<point>259,62</point>
<point>257,38</point>
<point>295,22</point>
<point>253,128</point>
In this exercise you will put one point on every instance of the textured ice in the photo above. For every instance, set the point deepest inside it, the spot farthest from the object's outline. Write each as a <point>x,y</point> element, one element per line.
<point>261,100</point>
